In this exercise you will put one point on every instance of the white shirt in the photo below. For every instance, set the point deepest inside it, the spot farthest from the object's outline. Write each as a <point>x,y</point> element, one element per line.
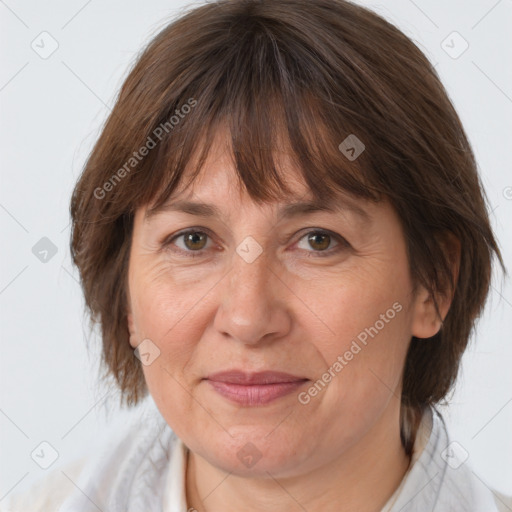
<point>144,471</point>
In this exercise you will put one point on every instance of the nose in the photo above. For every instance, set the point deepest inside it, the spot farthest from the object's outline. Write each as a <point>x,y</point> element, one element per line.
<point>253,302</point>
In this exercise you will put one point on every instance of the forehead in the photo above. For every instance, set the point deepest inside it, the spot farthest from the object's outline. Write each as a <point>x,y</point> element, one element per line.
<point>215,193</point>
<point>219,177</point>
<point>218,180</point>
<point>217,189</point>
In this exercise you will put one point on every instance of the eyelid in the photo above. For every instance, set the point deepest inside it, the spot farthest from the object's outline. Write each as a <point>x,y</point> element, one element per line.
<point>341,241</point>
<point>166,241</point>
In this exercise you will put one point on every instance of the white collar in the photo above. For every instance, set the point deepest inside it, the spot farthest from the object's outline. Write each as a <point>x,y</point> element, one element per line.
<point>174,499</point>
<point>439,478</point>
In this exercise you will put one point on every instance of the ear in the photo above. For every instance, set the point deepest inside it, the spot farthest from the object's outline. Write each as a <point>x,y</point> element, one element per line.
<point>427,321</point>
<point>131,329</point>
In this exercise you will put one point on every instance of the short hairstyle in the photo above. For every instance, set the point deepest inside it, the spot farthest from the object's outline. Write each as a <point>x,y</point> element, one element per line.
<point>295,76</point>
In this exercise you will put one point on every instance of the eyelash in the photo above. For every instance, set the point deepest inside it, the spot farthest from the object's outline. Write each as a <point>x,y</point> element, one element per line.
<point>342,243</point>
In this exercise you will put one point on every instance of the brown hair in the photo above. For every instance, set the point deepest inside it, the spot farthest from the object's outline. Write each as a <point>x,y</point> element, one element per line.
<point>308,74</point>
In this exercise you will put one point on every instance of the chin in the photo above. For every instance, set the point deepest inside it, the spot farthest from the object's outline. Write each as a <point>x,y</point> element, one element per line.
<point>253,453</point>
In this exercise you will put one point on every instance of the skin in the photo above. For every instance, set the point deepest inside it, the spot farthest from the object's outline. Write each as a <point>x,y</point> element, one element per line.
<point>289,310</point>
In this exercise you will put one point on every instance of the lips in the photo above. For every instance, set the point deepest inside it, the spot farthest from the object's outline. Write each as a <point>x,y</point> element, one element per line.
<point>259,378</point>
<point>254,389</point>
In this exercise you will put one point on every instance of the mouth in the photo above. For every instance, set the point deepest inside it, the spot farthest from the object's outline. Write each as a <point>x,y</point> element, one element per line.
<point>253,389</point>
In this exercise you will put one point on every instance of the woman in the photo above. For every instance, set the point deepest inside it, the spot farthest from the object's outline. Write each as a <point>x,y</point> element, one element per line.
<point>283,236</point>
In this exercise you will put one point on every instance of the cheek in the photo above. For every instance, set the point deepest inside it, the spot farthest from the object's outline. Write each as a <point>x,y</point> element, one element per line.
<point>368,314</point>
<point>168,316</point>
<point>164,314</point>
<point>162,307</point>
<point>364,300</point>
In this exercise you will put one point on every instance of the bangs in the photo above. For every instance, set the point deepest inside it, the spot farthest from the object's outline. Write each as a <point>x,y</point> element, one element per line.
<point>261,102</point>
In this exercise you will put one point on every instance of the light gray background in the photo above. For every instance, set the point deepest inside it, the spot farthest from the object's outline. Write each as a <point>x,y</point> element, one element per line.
<point>51,112</point>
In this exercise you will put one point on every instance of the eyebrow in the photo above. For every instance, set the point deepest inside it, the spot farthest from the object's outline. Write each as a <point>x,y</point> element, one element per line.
<point>287,211</point>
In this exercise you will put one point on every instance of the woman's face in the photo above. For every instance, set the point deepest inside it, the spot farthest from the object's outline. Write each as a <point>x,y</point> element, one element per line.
<point>254,290</point>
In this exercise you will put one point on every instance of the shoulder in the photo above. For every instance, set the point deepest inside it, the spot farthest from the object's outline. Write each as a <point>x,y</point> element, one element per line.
<point>441,477</point>
<point>49,492</point>
<point>504,503</point>
<point>462,488</point>
<point>126,465</point>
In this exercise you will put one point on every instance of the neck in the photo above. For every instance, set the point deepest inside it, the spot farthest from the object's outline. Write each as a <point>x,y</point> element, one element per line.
<point>361,479</point>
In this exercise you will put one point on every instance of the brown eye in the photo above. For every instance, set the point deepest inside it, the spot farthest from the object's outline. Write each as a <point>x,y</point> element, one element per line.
<point>319,241</point>
<point>190,243</point>
<point>195,240</point>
